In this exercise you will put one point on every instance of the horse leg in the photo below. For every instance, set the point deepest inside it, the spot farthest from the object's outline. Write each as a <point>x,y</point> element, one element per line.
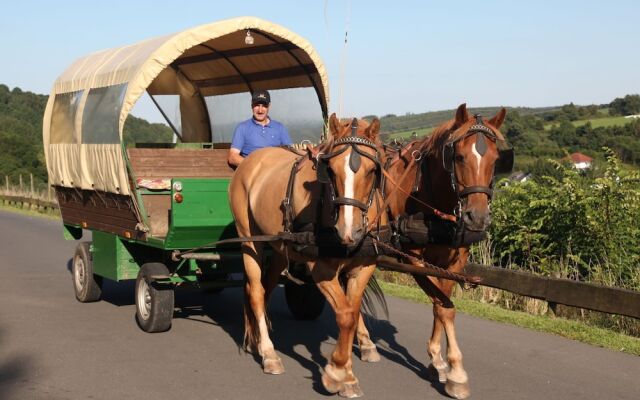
<point>457,385</point>
<point>434,346</point>
<point>271,279</point>
<point>338,375</point>
<point>256,324</point>
<point>368,350</point>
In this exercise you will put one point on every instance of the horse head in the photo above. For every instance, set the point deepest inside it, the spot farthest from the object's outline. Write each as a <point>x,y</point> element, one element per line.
<point>351,168</point>
<point>466,157</point>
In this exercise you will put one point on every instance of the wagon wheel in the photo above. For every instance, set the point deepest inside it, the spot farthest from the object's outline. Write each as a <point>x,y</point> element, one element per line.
<point>154,302</point>
<point>87,285</point>
<point>305,301</point>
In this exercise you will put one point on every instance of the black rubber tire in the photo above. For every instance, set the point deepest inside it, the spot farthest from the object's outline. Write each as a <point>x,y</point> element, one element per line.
<point>86,285</point>
<point>154,303</point>
<point>305,302</point>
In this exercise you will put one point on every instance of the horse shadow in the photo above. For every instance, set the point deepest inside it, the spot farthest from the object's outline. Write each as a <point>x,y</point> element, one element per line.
<point>225,310</point>
<point>290,335</point>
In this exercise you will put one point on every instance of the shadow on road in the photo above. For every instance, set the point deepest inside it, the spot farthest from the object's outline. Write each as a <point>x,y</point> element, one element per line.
<point>13,370</point>
<point>290,336</point>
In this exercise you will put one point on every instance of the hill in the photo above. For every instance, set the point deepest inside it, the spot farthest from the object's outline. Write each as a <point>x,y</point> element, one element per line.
<point>21,151</point>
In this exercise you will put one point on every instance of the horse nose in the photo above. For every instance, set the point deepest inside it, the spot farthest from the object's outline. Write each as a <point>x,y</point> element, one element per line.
<point>351,237</point>
<point>477,220</point>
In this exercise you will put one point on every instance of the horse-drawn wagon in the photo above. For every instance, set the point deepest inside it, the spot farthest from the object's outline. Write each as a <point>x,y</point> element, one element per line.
<point>154,208</point>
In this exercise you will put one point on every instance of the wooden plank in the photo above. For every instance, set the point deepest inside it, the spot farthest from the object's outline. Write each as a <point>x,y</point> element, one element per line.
<point>562,291</point>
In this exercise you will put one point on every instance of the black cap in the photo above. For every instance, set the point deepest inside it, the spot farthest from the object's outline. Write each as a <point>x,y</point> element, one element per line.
<point>260,97</point>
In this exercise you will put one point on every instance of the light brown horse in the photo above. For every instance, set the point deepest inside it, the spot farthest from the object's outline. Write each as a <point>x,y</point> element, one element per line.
<point>350,167</point>
<point>460,157</point>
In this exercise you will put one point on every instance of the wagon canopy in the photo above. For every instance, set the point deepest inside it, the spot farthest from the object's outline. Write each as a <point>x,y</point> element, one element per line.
<point>90,101</point>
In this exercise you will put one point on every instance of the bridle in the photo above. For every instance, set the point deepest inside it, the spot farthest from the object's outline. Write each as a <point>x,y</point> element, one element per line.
<point>324,172</point>
<point>503,164</point>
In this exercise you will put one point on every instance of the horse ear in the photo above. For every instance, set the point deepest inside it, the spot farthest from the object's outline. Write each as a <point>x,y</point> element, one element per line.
<point>498,119</point>
<point>372,130</point>
<point>334,124</point>
<point>462,115</point>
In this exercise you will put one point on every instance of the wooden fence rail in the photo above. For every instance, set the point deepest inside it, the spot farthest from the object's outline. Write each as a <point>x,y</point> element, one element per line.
<point>590,296</point>
<point>28,201</point>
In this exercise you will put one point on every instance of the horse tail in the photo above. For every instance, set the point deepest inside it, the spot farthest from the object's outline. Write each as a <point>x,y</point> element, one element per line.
<point>372,298</point>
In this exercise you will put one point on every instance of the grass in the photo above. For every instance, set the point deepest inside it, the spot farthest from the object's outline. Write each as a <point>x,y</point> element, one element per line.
<point>421,132</point>
<point>29,211</point>
<point>559,326</point>
<point>596,122</point>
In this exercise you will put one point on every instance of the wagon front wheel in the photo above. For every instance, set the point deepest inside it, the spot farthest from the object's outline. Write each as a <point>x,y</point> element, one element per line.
<point>86,285</point>
<point>154,301</point>
<point>305,301</point>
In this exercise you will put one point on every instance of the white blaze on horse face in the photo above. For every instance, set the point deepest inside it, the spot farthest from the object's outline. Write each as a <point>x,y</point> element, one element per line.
<point>478,156</point>
<point>349,179</point>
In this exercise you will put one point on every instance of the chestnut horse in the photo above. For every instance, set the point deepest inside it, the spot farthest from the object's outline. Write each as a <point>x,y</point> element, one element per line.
<point>334,187</point>
<point>450,176</point>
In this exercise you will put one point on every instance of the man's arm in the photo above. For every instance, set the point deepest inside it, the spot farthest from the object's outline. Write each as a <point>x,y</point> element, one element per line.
<point>234,158</point>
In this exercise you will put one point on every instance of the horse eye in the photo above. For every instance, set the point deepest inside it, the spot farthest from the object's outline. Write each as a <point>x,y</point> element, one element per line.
<point>459,158</point>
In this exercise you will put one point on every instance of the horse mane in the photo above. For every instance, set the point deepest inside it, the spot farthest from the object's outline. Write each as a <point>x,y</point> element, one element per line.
<point>440,134</point>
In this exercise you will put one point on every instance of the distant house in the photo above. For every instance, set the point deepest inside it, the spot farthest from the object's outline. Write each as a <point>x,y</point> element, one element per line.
<point>580,161</point>
<point>519,176</point>
<point>633,116</point>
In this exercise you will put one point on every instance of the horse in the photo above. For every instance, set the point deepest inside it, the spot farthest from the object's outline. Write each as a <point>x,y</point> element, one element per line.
<point>448,177</point>
<point>333,186</point>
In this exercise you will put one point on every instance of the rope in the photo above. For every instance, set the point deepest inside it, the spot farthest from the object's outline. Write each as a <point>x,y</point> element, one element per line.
<point>448,274</point>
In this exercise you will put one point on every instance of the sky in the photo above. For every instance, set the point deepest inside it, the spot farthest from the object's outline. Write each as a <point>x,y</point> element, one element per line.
<point>401,56</point>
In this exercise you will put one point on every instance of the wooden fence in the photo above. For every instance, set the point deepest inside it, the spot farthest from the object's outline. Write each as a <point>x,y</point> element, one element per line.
<point>590,296</point>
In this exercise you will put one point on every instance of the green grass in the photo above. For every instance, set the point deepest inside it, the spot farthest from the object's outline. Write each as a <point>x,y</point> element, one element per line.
<point>421,132</point>
<point>563,327</point>
<point>596,122</point>
<point>28,211</point>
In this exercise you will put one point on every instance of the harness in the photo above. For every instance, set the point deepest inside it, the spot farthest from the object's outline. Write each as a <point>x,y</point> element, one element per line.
<point>315,240</point>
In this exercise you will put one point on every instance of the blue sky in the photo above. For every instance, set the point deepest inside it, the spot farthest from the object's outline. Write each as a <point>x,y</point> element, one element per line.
<point>402,56</point>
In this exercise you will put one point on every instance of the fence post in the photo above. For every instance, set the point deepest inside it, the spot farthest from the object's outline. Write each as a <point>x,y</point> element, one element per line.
<point>32,191</point>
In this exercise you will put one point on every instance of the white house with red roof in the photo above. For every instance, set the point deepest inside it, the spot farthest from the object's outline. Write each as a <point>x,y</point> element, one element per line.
<point>580,161</point>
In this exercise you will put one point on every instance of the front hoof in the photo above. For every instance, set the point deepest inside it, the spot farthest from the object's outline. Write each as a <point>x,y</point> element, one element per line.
<point>348,390</point>
<point>369,354</point>
<point>272,366</point>
<point>440,370</point>
<point>457,390</point>
<point>351,390</point>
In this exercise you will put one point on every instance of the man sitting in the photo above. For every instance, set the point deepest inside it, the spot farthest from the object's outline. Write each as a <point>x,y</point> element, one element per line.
<point>257,132</point>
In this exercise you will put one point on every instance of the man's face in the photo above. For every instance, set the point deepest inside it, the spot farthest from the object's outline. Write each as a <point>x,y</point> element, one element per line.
<point>260,112</point>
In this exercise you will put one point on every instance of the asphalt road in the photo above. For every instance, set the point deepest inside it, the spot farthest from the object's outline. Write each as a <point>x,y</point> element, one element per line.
<point>53,347</point>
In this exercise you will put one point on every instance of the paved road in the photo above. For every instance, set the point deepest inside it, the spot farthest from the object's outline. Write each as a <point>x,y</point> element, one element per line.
<point>53,347</point>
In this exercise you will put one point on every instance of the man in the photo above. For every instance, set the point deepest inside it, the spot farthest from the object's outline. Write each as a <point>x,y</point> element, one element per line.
<point>257,132</point>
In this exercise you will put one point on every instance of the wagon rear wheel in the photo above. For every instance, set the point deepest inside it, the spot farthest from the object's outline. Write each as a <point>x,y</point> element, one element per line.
<point>86,285</point>
<point>305,301</point>
<point>154,302</point>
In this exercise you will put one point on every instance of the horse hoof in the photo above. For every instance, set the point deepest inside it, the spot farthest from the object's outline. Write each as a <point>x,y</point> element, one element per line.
<point>348,390</point>
<point>369,354</point>
<point>351,390</point>
<point>457,390</point>
<point>272,366</point>
<point>441,371</point>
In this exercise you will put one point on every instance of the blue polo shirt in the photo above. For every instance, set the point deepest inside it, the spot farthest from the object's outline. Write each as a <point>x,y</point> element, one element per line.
<point>250,136</point>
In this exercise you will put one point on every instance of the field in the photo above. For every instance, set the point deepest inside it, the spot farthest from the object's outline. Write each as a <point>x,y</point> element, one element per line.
<point>597,122</point>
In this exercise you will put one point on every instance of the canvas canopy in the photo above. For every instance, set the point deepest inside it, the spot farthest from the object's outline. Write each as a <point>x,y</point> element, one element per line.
<point>90,101</point>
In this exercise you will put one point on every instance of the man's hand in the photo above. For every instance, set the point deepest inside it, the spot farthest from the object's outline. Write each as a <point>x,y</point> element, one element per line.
<point>234,158</point>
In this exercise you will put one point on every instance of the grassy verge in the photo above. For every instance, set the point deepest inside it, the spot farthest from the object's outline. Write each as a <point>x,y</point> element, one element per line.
<point>563,327</point>
<point>28,211</point>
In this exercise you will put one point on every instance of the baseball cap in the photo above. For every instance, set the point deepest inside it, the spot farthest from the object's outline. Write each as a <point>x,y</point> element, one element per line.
<point>260,97</point>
